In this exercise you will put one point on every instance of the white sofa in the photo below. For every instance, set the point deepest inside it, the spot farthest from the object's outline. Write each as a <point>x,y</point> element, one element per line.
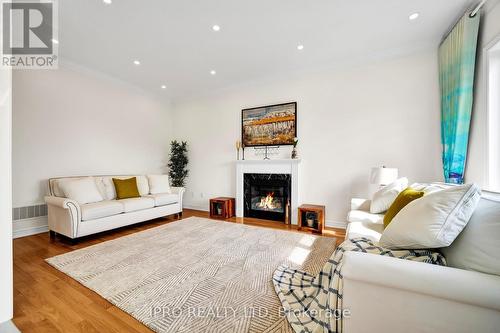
<point>385,294</point>
<point>73,220</point>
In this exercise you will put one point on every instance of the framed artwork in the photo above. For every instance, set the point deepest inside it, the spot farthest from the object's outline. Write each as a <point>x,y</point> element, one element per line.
<point>272,125</point>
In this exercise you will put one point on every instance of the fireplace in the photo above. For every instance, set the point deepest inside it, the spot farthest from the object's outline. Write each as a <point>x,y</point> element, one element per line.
<point>267,196</point>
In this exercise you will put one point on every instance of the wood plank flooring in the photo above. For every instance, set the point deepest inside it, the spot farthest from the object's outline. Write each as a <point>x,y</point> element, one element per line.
<point>46,300</point>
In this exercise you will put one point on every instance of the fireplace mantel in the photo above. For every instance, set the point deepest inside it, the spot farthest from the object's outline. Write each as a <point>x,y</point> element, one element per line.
<point>288,166</point>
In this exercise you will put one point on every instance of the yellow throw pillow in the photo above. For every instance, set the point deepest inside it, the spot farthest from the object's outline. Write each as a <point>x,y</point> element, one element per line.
<point>126,188</point>
<point>401,201</point>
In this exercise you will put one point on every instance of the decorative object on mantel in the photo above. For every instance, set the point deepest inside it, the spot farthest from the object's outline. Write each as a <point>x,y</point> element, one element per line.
<point>382,176</point>
<point>269,125</point>
<point>266,151</point>
<point>222,208</point>
<point>294,150</point>
<point>312,218</point>
<point>238,147</point>
<point>243,150</point>
<point>177,165</point>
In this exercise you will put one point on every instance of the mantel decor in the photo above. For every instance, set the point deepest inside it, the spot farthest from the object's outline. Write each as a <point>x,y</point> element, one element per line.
<point>273,125</point>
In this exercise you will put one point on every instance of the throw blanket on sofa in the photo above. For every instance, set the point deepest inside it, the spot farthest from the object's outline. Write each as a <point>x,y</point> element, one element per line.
<point>314,303</point>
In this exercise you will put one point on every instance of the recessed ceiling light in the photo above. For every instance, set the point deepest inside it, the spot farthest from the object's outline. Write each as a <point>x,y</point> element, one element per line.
<point>216,28</point>
<point>55,41</point>
<point>213,72</point>
<point>107,2</point>
<point>300,47</point>
<point>414,16</point>
<point>163,87</point>
<point>137,62</point>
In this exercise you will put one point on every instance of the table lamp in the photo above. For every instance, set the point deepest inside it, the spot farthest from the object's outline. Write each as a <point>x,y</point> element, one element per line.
<point>382,176</point>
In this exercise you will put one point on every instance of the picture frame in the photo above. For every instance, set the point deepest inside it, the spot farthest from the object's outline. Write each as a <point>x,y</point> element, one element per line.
<point>270,125</point>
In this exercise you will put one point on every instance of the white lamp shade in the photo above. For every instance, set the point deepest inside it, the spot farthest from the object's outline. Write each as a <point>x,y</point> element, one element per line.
<point>383,175</point>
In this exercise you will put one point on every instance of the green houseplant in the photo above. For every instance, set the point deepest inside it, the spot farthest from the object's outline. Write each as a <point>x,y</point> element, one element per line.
<point>177,165</point>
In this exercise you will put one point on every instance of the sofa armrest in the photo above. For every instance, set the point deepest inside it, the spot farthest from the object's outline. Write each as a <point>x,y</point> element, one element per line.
<point>179,191</point>
<point>360,204</point>
<point>455,285</point>
<point>64,215</point>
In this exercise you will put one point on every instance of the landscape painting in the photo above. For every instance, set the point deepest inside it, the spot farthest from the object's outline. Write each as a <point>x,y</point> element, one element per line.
<point>271,125</point>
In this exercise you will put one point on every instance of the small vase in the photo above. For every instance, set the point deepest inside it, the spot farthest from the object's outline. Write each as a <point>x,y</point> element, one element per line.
<point>294,153</point>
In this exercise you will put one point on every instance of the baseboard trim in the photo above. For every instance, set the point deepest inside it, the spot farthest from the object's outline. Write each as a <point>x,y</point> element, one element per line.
<point>28,227</point>
<point>194,207</point>
<point>336,224</point>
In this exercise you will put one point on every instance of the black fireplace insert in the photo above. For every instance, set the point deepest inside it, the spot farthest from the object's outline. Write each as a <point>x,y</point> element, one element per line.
<point>267,196</point>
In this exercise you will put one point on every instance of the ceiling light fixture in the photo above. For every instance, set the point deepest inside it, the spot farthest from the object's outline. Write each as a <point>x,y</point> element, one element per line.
<point>163,87</point>
<point>213,72</point>
<point>216,28</point>
<point>107,2</point>
<point>414,16</point>
<point>55,41</point>
<point>300,47</point>
<point>137,62</point>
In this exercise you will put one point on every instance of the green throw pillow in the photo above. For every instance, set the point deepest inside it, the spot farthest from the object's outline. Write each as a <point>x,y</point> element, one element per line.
<point>400,202</point>
<point>126,188</point>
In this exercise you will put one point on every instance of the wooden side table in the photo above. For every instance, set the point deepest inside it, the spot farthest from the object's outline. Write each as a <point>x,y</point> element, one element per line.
<point>312,218</point>
<point>222,208</point>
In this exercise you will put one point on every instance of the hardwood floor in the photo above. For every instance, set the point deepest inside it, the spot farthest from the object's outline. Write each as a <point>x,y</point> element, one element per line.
<point>46,300</point>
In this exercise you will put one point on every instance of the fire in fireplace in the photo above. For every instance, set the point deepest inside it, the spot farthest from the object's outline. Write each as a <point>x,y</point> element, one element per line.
<point>267,196</point>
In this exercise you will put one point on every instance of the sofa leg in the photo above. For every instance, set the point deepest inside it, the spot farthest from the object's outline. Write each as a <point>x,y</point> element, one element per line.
<point>179,215</point>
<point>52,234</point>
<point>73,241</point>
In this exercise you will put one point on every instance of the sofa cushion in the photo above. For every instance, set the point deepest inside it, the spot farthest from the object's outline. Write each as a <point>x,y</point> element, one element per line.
<point>109,187</point>
<point>159,184</point>
<point>383,198</point>
<point>82,190</point>
<point>432,221</point>
<point>478,246</point>
<point>162,199</point>
<point>133,204</point>
<point>403,199</point>
<point>126,188</point>
<point>364,216</point>
<point>372,231</point>
<point>101,209</point>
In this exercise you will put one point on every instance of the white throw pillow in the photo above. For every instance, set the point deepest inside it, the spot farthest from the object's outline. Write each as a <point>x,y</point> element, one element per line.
<point>82,190</point>
<point>478,246</point>
<point>432,221</point>
<point>159,184</point>
<point>383,198</point>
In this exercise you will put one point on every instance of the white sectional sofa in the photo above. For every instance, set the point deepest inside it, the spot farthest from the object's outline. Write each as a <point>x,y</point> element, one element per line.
<point>69,218</point>
<point>386,294</point>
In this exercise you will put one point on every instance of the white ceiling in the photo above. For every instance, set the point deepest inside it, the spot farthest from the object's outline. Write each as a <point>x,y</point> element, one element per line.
<point>177,47</point>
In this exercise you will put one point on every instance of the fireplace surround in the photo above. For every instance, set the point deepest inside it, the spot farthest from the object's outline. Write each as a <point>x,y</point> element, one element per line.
<point>279,166</point>
<point>267,196</point>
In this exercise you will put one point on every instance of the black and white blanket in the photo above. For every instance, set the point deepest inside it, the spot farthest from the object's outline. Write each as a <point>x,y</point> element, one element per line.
<point>313,304</point>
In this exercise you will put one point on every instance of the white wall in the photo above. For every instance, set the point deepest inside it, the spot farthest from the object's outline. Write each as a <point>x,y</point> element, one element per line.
<point>476,170</point>
<point>385,113</point>
<point>5,197</point>
<point>74,121</point>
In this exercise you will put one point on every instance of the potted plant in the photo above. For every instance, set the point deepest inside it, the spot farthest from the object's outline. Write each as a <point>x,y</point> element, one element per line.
<point>177,165</point>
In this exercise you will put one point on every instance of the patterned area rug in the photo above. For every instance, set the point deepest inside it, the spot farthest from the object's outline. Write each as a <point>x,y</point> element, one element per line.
<point>197,275</point>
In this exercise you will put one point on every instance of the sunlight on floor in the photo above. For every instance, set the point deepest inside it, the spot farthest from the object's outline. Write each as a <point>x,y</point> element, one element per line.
<point>298,255</point>
<point>307,241</point>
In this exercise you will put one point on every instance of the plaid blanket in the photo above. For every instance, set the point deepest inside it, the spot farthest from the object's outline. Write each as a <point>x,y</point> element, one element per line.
<point>314,303</point>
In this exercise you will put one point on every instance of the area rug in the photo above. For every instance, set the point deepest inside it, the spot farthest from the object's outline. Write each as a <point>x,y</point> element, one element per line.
<point>197,275</point>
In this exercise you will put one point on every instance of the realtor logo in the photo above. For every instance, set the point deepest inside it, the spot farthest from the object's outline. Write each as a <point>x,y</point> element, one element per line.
<point>29,34</point>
